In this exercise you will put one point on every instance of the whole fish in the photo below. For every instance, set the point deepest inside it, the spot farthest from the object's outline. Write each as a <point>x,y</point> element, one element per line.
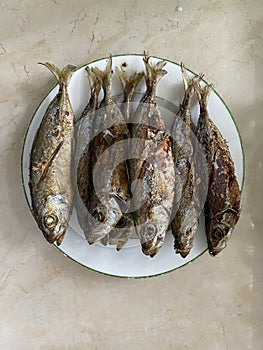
<point>222,206</point>
<point>83,135</point>
<point>110,190</point>
<point>152,170</point>
<point>50,162</point>
<point>186,206</point>
<point>125,227</point>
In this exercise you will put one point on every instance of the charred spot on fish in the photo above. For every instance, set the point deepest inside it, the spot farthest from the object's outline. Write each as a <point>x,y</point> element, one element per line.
<point>124,64</point>
<point>66,113</point>
<point>50,221</point>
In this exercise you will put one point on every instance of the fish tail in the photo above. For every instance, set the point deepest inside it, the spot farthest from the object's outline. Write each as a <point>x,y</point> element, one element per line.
<point>153,73</point>
<point>104,76</point>
<point>186,78</point>
<point>129,83</point>
<point>193,82</point>
<point>63,76</point>
<point>203,93</point>
<point>94,82</point>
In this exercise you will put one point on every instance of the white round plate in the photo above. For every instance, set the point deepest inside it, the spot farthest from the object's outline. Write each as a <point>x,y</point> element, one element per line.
<point>130,261</point>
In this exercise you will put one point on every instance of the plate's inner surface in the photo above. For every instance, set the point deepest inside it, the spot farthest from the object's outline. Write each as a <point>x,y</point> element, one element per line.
<point>130,261</point>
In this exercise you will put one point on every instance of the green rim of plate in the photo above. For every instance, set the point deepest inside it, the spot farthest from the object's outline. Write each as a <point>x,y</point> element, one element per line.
<point>23,180</point>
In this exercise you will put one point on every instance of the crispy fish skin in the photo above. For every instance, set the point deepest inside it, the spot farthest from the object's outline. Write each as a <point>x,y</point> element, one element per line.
<point>155,168</point>
<point>83,135</point>
<point>222,207</point>
<point>110,187</point>
<point>50,162</point>
<point>186,206</point>
<point>125,226</point>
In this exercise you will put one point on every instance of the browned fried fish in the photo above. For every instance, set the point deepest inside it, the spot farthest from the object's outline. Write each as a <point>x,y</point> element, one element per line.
<point>125,227</point>
<point>51,162</point>
<point>83,135</point>
<point>222,207</point>
<point>186,206</point>
<point>153,169</point>
<point>110,186</point>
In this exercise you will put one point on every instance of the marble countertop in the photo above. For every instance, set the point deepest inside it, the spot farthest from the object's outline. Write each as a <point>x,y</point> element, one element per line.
<point>50,302</point>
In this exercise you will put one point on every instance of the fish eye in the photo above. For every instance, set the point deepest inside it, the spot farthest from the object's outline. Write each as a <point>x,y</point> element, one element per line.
<point>218,234</point>
<point>50,220</point>
<point>122,222</point>
<point>98,216</point>
<point>151,229</point>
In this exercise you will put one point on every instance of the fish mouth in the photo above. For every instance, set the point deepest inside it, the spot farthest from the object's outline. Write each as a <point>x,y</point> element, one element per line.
<point>183,247</point>
<point>182,252</point>
<point>94,238</point>
<point>95,234</point>
<point>53,238</point>
<point>151,247</point>
<point>214,250</point>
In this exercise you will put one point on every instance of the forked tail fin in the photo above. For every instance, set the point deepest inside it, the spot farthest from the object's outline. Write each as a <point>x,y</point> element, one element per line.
<point>104,77</point>
<point>129,83</point>
<point>95,84</point>
<point>153,73</point>
<point>63,76</point>
<point>203,94</point>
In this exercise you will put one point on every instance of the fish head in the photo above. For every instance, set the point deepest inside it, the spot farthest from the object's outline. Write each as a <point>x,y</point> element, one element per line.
<point>101,220</point>
<point>54,218</point>
<point>183,243</point>
<point>152,232</point>
<point>219,229</point>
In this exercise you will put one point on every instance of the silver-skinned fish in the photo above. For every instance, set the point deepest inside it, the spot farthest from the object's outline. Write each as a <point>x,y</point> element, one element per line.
<point>51,162</point>
<point>83,135</point>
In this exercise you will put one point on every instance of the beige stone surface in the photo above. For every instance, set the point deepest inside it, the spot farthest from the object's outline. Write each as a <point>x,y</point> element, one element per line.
<point>49,302</point>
